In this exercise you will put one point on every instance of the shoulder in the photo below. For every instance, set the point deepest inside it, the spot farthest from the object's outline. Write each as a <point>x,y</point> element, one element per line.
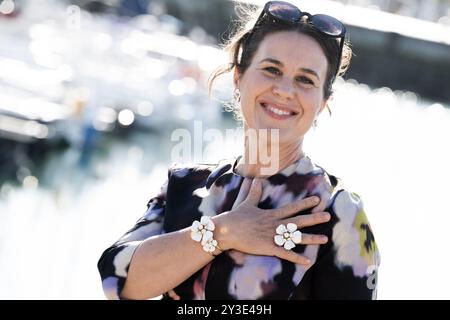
<point>352,236</point>
<point>198,174</point>
<point>181,170</point>
<point>351,221</point>
<point>347,204</point>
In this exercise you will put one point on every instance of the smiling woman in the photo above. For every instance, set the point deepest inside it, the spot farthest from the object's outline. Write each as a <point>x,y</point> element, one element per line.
<point>231,230</point>
<point>282,88</point>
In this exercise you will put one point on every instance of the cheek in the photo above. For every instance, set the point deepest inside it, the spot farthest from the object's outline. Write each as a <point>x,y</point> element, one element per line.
<point>311,101</point>
<point>255,84</point>
<point>252,88</point>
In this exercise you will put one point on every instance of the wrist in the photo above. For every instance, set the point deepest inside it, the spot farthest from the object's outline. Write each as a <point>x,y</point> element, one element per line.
<point>222,231</point>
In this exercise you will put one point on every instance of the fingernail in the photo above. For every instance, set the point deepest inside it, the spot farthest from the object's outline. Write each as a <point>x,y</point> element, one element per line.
<point>308,261</point>
<point>324,238</point>
<point>325,216</point>
<point>316,199</point>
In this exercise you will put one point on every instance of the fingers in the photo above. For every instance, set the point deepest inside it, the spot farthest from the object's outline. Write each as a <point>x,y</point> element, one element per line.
<point>320,207</point>
<point>313,238</point>
<point>243,192</point>
<point>299,205</point>
<point>292,256</point>
<point>173,295</point>
<point>308,220</point>
<point>255,192</point>
<point>297,258</point>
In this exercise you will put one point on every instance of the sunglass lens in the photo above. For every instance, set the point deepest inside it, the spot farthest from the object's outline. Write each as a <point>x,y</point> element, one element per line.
<point>328,25</point>
<point>284,11</point>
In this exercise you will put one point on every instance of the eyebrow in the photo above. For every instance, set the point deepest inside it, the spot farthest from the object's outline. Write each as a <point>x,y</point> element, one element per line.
<point>279,63</point>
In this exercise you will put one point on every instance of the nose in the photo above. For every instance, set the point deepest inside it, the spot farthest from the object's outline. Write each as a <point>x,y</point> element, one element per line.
<point>283,89</point>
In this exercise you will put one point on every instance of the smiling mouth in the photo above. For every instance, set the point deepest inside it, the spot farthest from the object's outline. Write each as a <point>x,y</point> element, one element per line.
<point>277,112</point>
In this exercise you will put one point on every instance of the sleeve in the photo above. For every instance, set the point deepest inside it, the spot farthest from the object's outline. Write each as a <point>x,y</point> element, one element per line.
<point>115,261</point>
<point>347,266</point>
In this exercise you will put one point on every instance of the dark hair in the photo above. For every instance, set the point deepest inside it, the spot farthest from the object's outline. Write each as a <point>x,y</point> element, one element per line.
<point>244,42</point>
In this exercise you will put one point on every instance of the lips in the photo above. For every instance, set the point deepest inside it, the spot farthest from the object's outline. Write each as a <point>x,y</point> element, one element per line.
<point>277,111</point>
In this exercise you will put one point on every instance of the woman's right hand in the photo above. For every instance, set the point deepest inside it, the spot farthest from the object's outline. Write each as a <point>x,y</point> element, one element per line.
<point>251,230</point>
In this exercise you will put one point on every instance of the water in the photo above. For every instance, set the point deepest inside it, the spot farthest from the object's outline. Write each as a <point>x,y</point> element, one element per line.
<point>389,147</point>
<point>52,237</point>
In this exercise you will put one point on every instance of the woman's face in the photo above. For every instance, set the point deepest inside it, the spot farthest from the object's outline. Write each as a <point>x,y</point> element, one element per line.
<point>283,86</point>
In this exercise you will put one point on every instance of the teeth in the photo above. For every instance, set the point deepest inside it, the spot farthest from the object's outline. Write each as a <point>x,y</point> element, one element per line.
<point>278,111</point>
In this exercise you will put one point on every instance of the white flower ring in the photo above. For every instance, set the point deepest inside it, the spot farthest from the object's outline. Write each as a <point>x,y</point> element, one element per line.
<point>287,236</point>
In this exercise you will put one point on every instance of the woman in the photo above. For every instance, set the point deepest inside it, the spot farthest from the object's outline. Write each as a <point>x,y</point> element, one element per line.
<point>241,230</point>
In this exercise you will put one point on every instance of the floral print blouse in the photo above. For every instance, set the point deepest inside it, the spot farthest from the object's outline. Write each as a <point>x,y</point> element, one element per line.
<point>344,268</point>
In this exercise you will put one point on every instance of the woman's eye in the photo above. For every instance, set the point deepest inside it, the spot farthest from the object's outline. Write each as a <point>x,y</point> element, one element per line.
<point>272,70</point>
<point>305,80</point>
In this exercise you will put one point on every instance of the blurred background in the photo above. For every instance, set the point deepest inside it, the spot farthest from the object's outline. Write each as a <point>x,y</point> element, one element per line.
<point>91,92</point>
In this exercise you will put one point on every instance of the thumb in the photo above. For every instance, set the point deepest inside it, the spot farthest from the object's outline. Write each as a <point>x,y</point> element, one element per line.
<point>255,193</point>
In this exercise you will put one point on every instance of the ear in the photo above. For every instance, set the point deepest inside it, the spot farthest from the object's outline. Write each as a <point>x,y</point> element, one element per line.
<point>324,104</point>
<point>236,77</point>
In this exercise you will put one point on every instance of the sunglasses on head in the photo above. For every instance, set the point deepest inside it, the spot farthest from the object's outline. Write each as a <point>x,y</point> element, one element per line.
<point>287,13</point>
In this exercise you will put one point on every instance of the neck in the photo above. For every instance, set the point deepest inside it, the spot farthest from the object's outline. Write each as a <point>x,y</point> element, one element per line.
<point>264,155</point>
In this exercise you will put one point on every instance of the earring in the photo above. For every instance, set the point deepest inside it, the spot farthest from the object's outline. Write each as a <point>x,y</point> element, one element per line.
<point>237,95</point>
<point>315,123</point>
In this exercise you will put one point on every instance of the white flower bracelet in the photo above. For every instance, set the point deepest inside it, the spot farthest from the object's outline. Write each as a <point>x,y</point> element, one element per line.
<point>203,232</point>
